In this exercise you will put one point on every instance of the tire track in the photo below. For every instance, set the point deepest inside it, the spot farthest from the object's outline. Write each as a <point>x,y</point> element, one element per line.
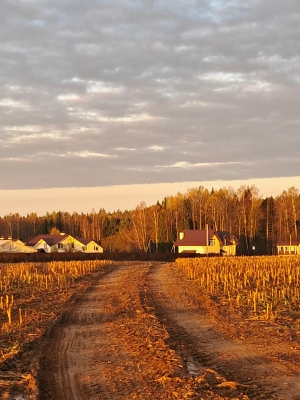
<point>77,343</point>
<point>143,331</point>
<point>192,323</point>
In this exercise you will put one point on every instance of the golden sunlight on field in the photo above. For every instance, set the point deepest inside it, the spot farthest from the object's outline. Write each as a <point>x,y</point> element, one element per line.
<point>263,287</point>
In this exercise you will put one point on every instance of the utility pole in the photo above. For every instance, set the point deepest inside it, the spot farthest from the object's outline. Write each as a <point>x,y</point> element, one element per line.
<point>206,231</point>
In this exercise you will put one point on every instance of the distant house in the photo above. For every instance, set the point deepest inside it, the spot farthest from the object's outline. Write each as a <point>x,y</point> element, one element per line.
<point>90,246</point>
<point>287,247</point>
<point>228,243</point>
<point>63,243</point>
<point>14,246</point>
<point>206,242</point>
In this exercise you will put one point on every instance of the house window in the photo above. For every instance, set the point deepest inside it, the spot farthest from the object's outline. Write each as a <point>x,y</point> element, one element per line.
<point>73,245</point>
<point>212,242</point>
<point>60,245</point>
<point>95,248</point>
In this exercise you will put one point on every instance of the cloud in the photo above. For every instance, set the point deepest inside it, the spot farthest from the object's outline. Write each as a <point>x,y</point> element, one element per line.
<point>148,91</point>
<point>86,153</point>
<point>156,148</point>
<point>187,165</point>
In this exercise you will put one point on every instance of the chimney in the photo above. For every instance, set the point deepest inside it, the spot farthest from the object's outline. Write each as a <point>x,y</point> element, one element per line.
<point>181,235</point>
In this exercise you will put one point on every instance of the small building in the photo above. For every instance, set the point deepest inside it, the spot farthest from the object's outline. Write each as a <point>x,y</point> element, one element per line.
<point>201,241</point>
<point>90,246</point>
<point>288,247</point>
<point>63,243</point>
<point>14,246</point>
<point>228,243</point>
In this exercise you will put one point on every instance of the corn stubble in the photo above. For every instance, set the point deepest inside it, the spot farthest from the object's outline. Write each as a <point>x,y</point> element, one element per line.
<point>265,288</point>
<point>28,292</point>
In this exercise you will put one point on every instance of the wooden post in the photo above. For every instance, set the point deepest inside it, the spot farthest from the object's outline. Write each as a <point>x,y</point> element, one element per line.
<point>20,317</point>
<point>206,229</point>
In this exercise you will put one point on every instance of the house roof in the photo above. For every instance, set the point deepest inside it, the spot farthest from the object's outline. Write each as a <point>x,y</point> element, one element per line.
<point>51,240</point>
<point>288,243</point>
<point>14,246</point>
<point>195,237</point>
<point>226,237</point>
<point>9,239</point>
<point>84,241</point>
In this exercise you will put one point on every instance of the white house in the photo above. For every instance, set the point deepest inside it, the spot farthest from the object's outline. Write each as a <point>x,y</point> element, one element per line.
<point>63,243</point>
<point>90,246</point>
<point>288,247</point>
<point>14,246</point>
<point>200,241</point>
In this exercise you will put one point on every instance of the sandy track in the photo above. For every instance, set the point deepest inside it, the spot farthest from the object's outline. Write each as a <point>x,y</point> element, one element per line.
<point>142,331</point>
<point>194,326</point>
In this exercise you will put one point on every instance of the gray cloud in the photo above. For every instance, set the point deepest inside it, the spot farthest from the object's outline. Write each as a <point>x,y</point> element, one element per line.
<point>120,92</point>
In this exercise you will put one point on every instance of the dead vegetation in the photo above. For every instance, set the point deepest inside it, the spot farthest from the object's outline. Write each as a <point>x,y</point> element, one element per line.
<point>148,330</point>
<point>31,296</point>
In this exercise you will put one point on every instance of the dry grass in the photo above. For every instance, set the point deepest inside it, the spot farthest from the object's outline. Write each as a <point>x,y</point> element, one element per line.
<point>265,287</point>
<point>31,294</point>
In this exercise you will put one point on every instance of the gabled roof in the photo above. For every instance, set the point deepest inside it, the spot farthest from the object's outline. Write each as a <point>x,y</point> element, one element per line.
<point>288,243</point>
<point>195,237</point>
<point>51,240</point>
<point>226,237</point>
<point>85,241</point>
<point>14,246</point>
<point>9,239</point>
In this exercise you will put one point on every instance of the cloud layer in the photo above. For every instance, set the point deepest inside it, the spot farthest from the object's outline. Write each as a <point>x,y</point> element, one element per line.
<point>97,92</point>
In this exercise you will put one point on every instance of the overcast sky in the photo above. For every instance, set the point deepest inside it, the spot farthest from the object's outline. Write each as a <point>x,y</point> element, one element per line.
<point>108,92</point>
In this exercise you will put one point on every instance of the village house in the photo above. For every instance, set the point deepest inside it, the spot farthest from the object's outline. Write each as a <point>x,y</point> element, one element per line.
<point>64,243</point>
<point>10,245</point>
<point>90,246</point>
<point>203,241</point>
<point>288,247</point>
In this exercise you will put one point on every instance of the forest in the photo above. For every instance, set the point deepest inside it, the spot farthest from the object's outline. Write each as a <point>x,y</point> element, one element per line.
<point>257,222</point>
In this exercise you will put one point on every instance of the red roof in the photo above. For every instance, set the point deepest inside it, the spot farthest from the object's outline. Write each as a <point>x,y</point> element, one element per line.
<point>195,237</point>
<point>84,241</point>
<point>51,240</point>
<point>288,243</point>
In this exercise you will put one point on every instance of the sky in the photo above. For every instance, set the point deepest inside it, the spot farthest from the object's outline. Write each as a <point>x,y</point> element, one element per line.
<point>106,95</point>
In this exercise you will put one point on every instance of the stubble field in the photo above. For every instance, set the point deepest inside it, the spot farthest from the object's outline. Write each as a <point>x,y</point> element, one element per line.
<point>210,328</point>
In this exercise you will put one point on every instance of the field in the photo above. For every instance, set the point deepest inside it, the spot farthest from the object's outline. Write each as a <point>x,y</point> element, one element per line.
<point>209,328</point>
<point>264,288</point>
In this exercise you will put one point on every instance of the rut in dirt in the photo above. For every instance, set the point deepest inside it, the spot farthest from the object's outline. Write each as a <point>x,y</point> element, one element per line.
<point>193,323</point>
<point>143,331</point>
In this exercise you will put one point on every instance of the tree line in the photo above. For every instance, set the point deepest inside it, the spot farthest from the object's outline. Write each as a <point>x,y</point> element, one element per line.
<point>257,222</point>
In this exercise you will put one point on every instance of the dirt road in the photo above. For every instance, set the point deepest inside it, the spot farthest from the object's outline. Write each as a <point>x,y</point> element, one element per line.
<point>143,331</point>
